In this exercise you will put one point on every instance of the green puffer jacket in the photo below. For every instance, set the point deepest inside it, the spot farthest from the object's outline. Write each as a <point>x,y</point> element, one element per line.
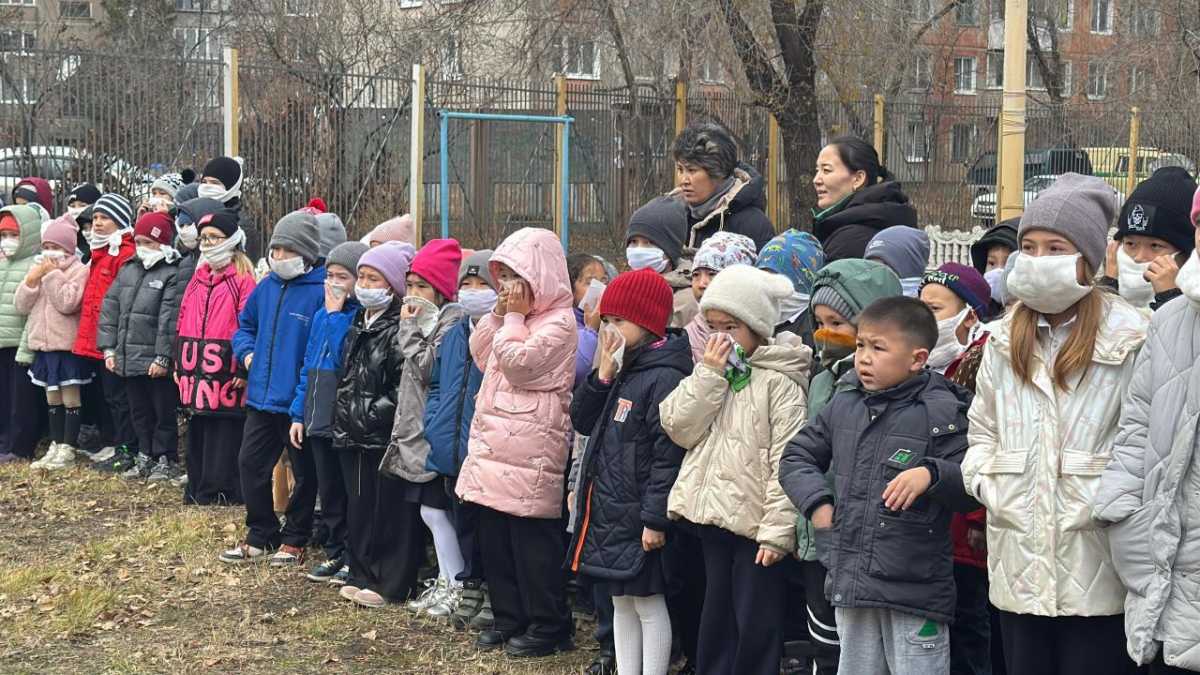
<point>859,283</point>
<point>13,270</point>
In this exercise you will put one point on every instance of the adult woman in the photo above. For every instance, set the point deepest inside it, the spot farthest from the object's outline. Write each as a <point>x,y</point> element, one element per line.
<point>856,198</point>
<point>720,192</point>
<point>1048,396</point>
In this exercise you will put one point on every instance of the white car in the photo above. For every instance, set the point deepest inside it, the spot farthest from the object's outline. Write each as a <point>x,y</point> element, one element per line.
<point>59,163</point>
<point>984,206</point>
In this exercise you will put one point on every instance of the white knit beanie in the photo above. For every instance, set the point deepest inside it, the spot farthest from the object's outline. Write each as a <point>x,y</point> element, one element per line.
<point>749,295</point>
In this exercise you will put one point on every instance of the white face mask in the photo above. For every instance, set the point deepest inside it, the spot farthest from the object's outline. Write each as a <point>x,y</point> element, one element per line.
<point>995,280</point>
<point>9,246</point>
<point>150,256</point>
<point>641,257</point>
<point>948,347</point>
<point>74,213</point>
<point>427,318</point>
<point>289,268</point>
<point>373,298</point>
<point>219,193</point>
<point>618,355</point>
<point>220,255</point>
<point>188,235</point>
<point>477,302</point>
<point>1131,280</point>
<point>339,291</point>
<point>1047,284</point>
<point>911,286</point>
<point>791,306</point>
<point>1188,279</point>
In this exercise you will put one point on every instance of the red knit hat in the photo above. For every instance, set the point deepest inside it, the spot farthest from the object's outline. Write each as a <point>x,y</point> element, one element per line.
<point>155,225</point>
<point>642,297</point>
<point>437,262</point>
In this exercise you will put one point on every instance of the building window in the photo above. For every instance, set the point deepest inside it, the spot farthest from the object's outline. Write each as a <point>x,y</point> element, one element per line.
<point>21,89</point>
<point>1097,85</point>
<point>300,7</point>
<point>1143,20</point>
<point>1140,82</point>
<point>1102,17</point>
<point>198,5</point>
<point>963,139</point>
<point>916,141</point>
<point>710,71</point>
<point>198,43</point>
<point>964,75</point>
<point>966,13</point>
<point>920,76</point>
<point>74,10</point>
<point>410,4</point>
<point>1059,13</point>
<point>920,10</point>
<point>997,11</point>
<point>17,41</point>
<point>1068,82</point>
<point>19,3</point>
<point>580,59</point>
<point>995,69</point>
<point>1033,74</point>
<point>451,57</point>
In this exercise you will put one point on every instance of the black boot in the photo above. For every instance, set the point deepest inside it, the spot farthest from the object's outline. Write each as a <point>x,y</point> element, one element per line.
<point>605,663</point>
<point>492,639</point>
<point>56,414</point>
<point>72,421</point>
<point>527,646</point>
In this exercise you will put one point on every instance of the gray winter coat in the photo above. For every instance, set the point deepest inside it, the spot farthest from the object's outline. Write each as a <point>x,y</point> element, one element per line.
<point>1155,535</point>
<point>408,451</point>
<point>138,317</point>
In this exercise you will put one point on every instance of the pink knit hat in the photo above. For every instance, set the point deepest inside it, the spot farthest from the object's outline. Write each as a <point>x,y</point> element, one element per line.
<point>437,262</point>
<point>62,232</point>
<point>392,260</point>
<point>401,228</point>
<point>1195,206</point>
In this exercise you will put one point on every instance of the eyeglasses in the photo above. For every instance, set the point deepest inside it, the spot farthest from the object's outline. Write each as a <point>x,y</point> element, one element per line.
<point>212,240</point>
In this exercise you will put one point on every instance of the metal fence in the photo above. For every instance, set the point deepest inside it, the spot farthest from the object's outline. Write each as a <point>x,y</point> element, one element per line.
<point>346,137</point>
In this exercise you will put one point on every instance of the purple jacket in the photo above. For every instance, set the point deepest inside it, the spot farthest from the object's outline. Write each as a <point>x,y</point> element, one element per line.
<point>585,350</point>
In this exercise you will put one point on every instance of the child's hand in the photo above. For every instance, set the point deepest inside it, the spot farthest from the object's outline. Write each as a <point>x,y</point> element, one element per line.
<point>519,298</point>
<point>237,383</point>
<point>822,517</point>
<point>716,352</point>
<point>591,317</point>
<point>1162,273</point>
<point>409,311</point>
<point>606,366</point>
<point>110,362</point>
<point>246,361</point>
<point>653,539</point>
<point>334,301</point>
<point>296,435</point>
<point>905,488</point>
<point>766,557</point>
<point>571,502</point>
<point>157,370</point>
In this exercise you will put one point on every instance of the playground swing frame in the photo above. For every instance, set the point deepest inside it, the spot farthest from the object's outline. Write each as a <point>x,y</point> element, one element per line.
<point>444,117</point>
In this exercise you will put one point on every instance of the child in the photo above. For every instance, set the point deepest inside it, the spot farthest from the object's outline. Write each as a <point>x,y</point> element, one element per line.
<point>959,298</point>
<point>1154,239</point>
<point>734,414</point>
<point>384,546</point>
<point>1147,492</point>
<point>269,343</point>
<point>583,269</point>
<point>137,337</point>
<point>630,466</point>
<point>906,251</point>
<point>892,441</point>
<point>35,192</point>
<point>716,253</point>
<point>111,244</point>
<point>517,458</point>
<point>50,296</point>
<point>79,201</point>
<point>654,239</point>
<point>429,312</point>
<point>797,256</point>
<point>187,238</point>
<point>316,396</point>
<point>1048,398</point>
<point>212,384</point>
<point>449,409</point>
<point>19,436</point>
<point>994,247</point>
<point>162,194</point>
<point>401,228</point>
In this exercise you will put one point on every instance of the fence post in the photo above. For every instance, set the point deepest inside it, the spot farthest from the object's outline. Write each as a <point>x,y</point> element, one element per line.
<point>561,183</point>
<point>1010,173</point>
<point>880,111</point>
<point>681,94</point>
<point>232,104</point>
<point>1135,130</point>
<point>416,155</point>
<point>773,171</point>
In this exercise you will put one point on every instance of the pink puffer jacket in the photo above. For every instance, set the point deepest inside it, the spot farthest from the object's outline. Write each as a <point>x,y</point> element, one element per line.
<point>204,360</point>
<point>517,452</point>
<point>53,307</point>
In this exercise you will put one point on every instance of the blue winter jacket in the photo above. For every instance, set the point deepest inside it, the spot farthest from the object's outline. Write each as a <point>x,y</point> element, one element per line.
<point>273,326</point>
<point>316,392</point>
<point>451,401</point>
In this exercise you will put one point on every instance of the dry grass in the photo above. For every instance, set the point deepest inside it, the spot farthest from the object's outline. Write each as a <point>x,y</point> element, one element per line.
<point>104,575</point>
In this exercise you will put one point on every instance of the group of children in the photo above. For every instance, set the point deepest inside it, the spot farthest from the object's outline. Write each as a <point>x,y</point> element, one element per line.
<point>733,447</point>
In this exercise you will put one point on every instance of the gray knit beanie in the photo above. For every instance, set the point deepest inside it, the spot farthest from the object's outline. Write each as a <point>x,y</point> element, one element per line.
<point>825,295</point>
<point>298,232</point>
<point>346,255</point>
<point>904,249</point>
<point>332,232</point>
<point>1080,209</point>
<point>476,264</point>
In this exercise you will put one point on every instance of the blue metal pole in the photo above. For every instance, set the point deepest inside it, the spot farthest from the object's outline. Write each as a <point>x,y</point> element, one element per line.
<point>566,183</point>
<point>444,187</point>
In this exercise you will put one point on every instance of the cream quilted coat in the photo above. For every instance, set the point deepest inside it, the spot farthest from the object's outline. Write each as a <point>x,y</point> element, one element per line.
<point>734,441</point>
<point>1144,493</point>
<point>1035,462</point>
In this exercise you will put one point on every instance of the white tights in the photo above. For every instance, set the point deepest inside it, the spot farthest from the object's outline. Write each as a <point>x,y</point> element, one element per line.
<point>445,543</point>
<point>642,634</point>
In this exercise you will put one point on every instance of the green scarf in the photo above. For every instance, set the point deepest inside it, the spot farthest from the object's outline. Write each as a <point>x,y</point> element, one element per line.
<point>737,372</point>
<point>818,216</point>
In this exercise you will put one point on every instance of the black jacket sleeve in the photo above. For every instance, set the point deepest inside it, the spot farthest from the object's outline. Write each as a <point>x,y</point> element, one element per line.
<point>667,457</point>
<point>588,404</point>
<point>946,452</point>
<point>806,459</point>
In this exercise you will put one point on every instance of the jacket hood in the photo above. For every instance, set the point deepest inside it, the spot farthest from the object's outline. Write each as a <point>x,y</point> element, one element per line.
<point>41,186</point>
<point>200,207</point>
<point>753,191</point>
<point>880,206</point>
<point>786,354</point>
<point>29,220</point>
<point>858,282</point>
<point>675,353</point>
<point>1003,233</point>
<point>1122,330</point>
<point>536,254</point>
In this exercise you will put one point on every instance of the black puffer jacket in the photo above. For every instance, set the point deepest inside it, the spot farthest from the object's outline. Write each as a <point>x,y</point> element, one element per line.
<point>369,377</point>
<point>901,560</point>
<point>846,232</point>
<point>139,315</point>
<point>744,214</point>
<point>630,463</point>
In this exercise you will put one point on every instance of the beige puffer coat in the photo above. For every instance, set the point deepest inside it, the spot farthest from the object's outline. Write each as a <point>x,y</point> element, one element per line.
<point>730,474</point>
<point>1035,461</point>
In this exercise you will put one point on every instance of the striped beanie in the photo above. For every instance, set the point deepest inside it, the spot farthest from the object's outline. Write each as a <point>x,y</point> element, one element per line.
<point>115,207</point>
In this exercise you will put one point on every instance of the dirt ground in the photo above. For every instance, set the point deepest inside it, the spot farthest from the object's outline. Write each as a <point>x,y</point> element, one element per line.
<point>105,575</point>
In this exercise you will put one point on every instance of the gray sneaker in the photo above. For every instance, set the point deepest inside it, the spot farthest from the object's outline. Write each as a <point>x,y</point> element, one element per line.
<point>165,470</point>
<point>142,465</point>
<point>485,619</point>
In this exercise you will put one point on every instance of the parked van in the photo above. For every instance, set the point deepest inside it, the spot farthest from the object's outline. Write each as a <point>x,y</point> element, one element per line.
<point>981,177</point>
<point>1112,163</point>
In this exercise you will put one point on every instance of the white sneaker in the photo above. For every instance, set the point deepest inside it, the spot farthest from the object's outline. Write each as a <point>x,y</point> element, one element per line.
<point>429,597</point>
<point>64,457</point>
<point>104,454</point>
<point>50,453</point>
<point>448,603</point>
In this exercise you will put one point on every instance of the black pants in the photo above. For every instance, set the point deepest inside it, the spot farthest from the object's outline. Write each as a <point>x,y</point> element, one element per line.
<point>466,528</point>
<point>1065,645</point>
<point>685,601</point>
<point>22,408</point>
<point>818,613</point>
<point>744,606</point>
<point>332,490</point>
<point>263,440</point>
<point>602,599</point>
<point>152,404</point>
<point>971,633</point>
<point>213,443</point>
<point>117,400</point>
<point>385,538</point>
<point>523,561</point>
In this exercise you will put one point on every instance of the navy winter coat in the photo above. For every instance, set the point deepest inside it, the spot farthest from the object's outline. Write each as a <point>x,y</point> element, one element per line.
<point>316,392</point>
<point>450,404</point>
